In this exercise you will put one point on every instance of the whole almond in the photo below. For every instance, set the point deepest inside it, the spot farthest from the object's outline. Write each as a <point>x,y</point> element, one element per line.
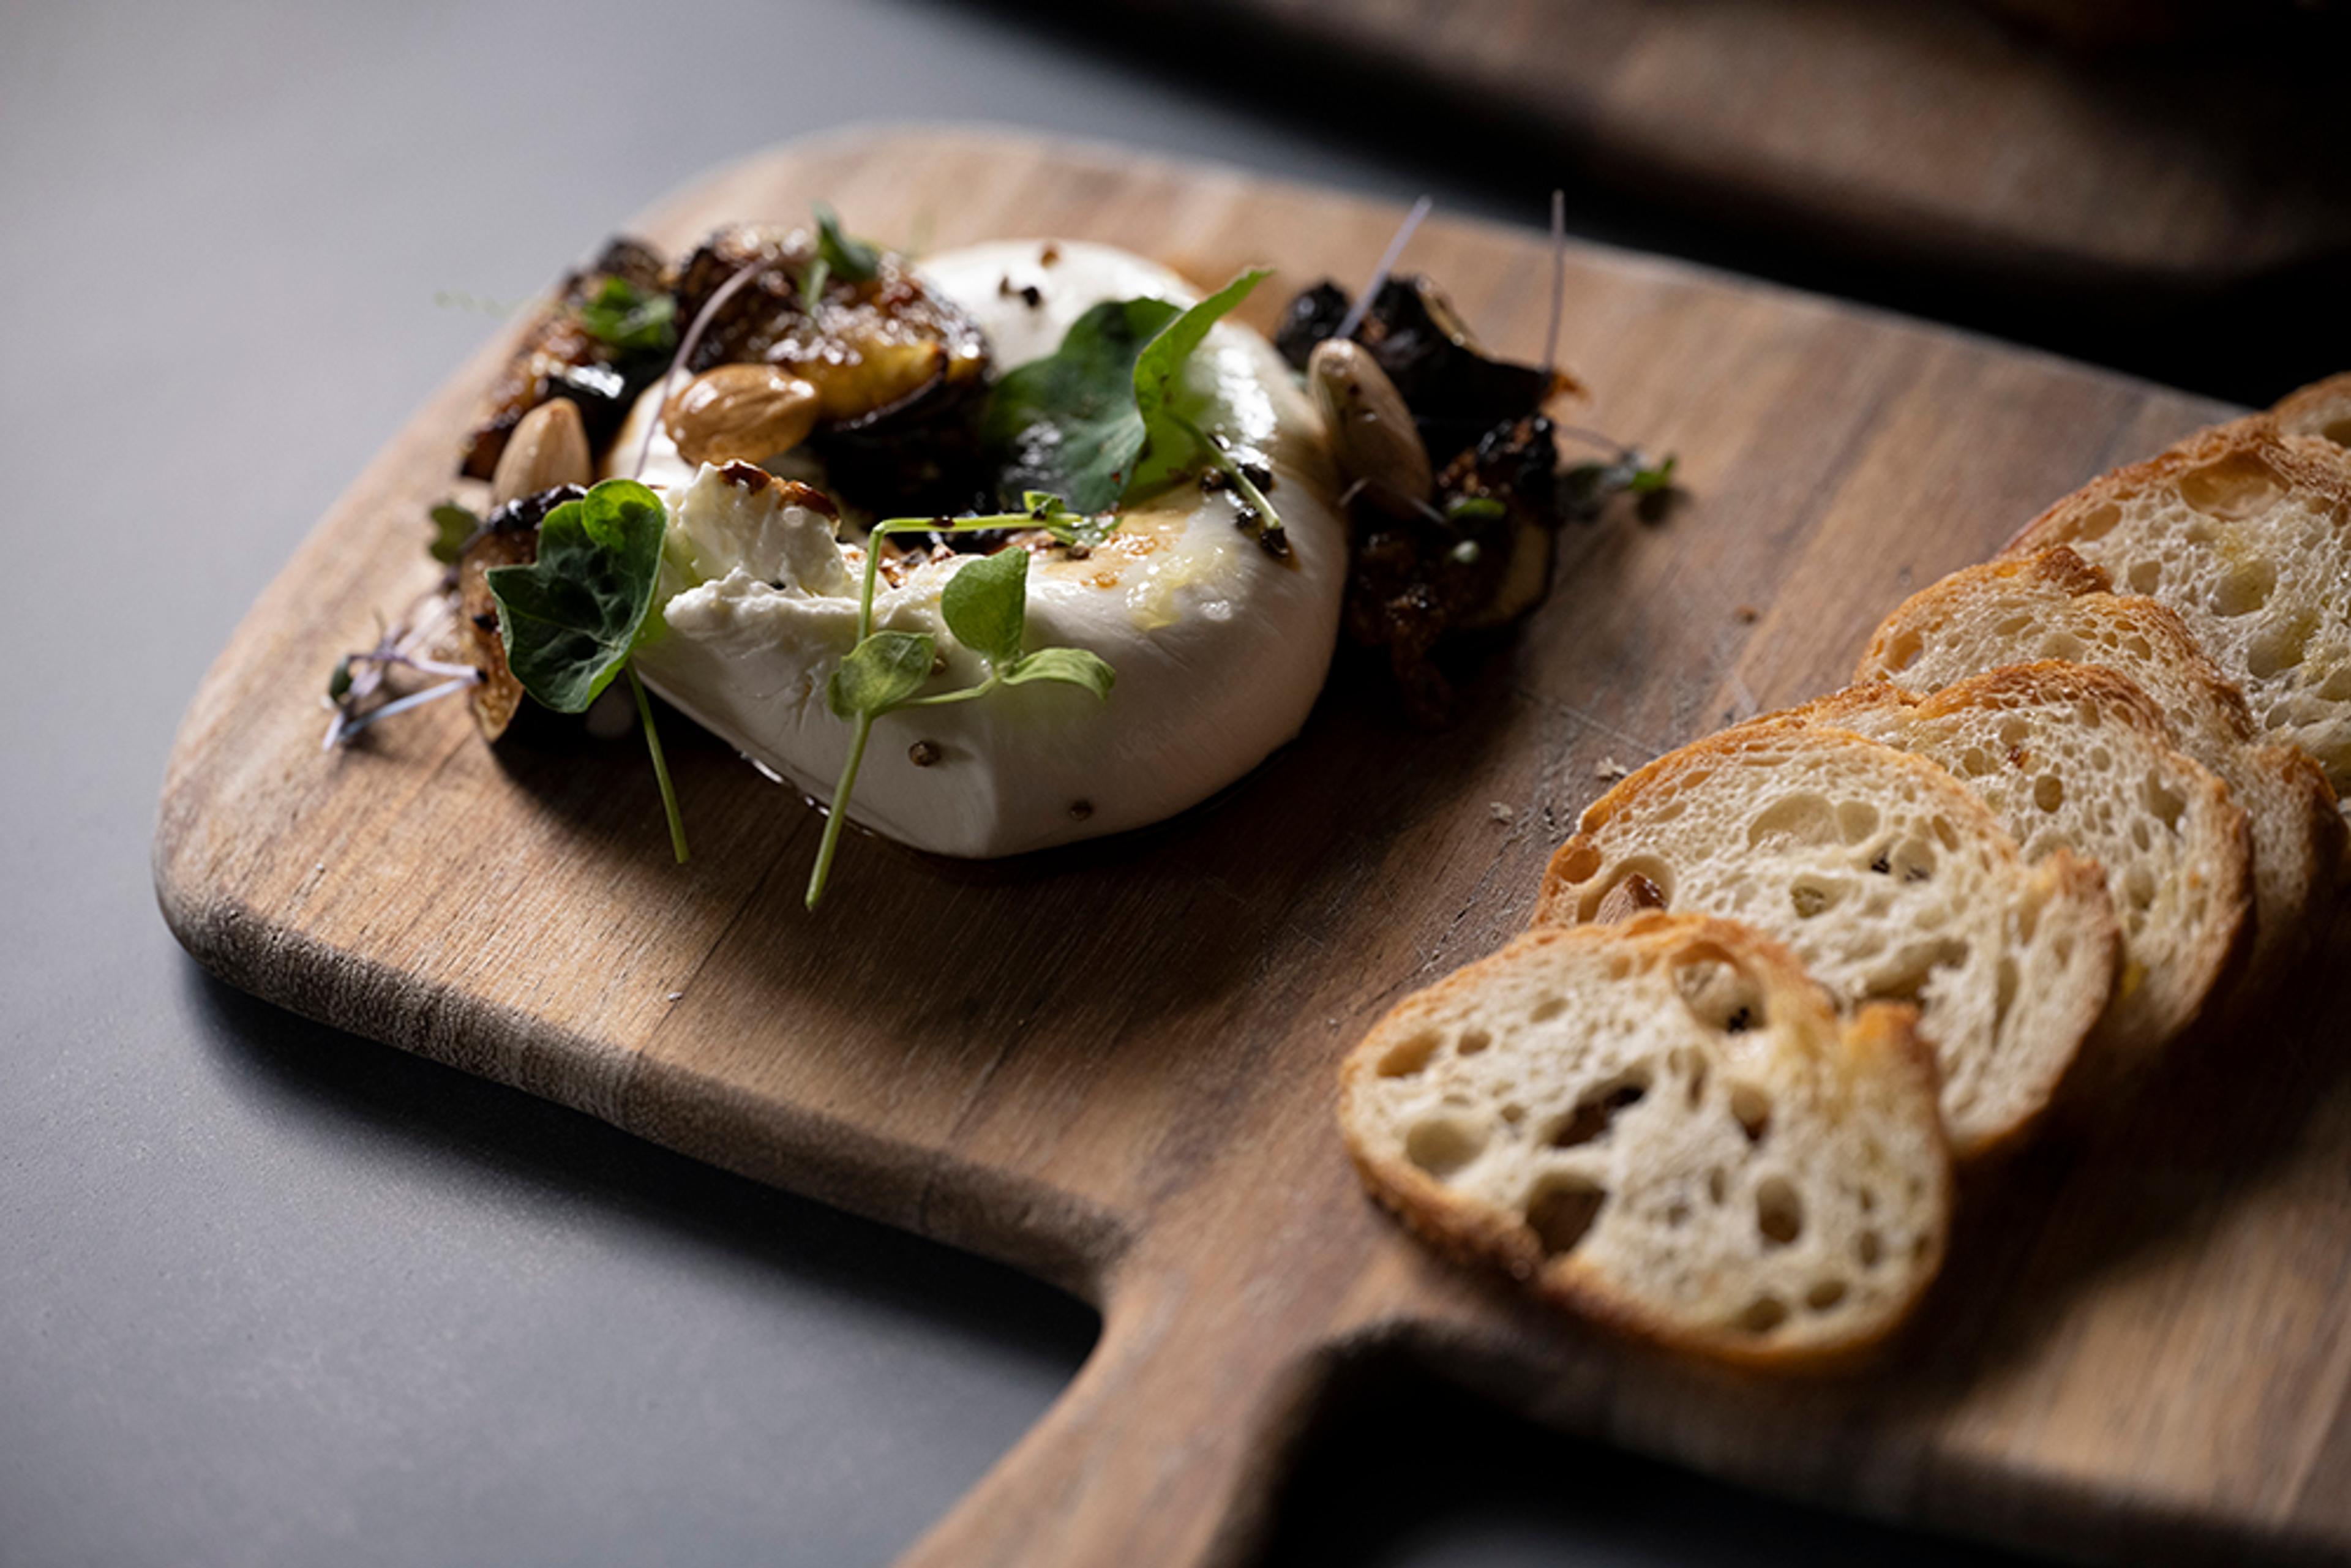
<point>549,447</point>
<point>740,413</point>
<point>1371,431</point>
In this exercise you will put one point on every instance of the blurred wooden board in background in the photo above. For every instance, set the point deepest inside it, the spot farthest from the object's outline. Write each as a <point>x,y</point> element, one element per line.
<point>1922,132</point>
<point>1113,1066</point>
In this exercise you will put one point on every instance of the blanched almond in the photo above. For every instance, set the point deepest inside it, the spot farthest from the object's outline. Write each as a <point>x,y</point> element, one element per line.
<point>549,447</point>
<point>1371,431</point>
<point>741,414</point>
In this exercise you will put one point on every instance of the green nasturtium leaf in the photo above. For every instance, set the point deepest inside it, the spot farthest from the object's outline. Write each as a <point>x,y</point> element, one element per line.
<point>1068,422</point>
<point>1171,442</point>
<point>453,524</point>
<point>985,604</point>
<point>1072,667</point>
<point>881,672</point>
<point>571,617</point>
<point>1094,420</point>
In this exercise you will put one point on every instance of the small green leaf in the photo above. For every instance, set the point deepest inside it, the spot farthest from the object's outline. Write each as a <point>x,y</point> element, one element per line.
<point>1092,421</point>
<point>632,320</point>
<point>1068,422</point>
<point>1173,445</point>
<point>883,671</point>
<point>453,524</point>
<point>853,259</point>
<point>1072,667</point>
<point>338,684</point>
<point>571,617</point>
<point>1474,509</point>
<point>1164,356</point>
<point>985,604</point>
<point>1585,488</point>
<point>1048,512</point>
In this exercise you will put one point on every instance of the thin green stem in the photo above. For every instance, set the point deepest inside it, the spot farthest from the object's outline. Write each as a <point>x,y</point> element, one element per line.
<point>962,695</point>
<point>1254,498</point>
<point>873,570</point>
<point>660,765</point>
<point>919,526</point>
<point>840,811</point>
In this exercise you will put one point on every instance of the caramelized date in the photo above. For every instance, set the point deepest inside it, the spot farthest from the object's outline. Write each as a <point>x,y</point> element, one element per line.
<point>559,357</point>
<point>508,537</point>
<point>872,347</point>
<point>1456,390</point>
<point>1477,558</point>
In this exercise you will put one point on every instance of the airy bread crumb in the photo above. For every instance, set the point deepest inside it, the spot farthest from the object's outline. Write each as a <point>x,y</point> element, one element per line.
<point>1665,1125</point>
<point>1889,881</point>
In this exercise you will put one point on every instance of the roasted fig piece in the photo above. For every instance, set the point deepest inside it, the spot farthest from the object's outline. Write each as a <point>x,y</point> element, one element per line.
<point>508,537</point>
<point>1315,315</point>
<point>1507,482</point>
<point>1477,557</point>
<point>1456,390</point>
<point>560,356</point>
<point>872,347</point>
<point>924,457</point>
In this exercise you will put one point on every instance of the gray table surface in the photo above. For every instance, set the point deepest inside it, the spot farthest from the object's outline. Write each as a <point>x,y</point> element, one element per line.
<point>274,1295</point>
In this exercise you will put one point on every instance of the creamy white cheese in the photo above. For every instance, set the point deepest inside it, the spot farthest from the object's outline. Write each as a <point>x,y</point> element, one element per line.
<point>1220,648</point>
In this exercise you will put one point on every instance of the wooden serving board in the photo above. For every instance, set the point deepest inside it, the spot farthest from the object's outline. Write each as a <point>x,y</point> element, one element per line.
<point>1114,1065</point>
<point>1931,130</point>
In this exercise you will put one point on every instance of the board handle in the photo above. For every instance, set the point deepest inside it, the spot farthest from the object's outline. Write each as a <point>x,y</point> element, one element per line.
<point>1164,1450</point>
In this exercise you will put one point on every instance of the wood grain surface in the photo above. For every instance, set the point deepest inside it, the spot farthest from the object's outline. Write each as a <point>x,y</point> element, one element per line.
<point>1114,1065</point>
<point>1930,130</point>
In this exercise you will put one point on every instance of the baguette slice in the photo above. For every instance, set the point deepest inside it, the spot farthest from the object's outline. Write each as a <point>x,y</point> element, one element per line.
<point>2054,605</point>
<point>2322,409</point>
<point>1890,882</point>
<point>2245,530</point>
<point>1664,1125</point>
<point>2078,759</point>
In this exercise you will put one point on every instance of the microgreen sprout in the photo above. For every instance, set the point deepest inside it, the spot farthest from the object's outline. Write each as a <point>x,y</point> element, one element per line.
<point>837,256</point>
<point>985,605</point>
<point>1258,516</point>
<point>454,528</point>
<point>481,304</point>
<point>1557,282</point>
<point>359,677</point>
<point>630,319</point>
<point>1388,258</point>
<point>1584,487</point>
